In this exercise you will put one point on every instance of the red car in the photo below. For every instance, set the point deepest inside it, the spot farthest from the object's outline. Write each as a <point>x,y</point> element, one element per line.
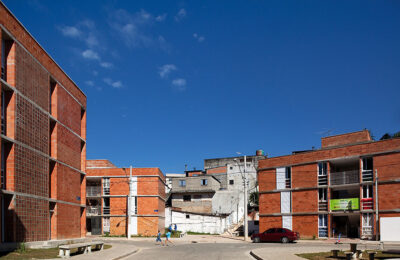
<point>283,235</point>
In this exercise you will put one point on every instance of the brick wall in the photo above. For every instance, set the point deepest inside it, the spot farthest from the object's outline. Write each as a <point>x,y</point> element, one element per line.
<point>349,138</point>
<point>118,226</point>
<point>305,176</point>
<point>305,201</point>
<point>34,135</point>
<point>307,226</point>
<point>388,166</point>
<point>267,179</point>
<point>389,195</point>
<point>270,203</point>
<point>148,226</point>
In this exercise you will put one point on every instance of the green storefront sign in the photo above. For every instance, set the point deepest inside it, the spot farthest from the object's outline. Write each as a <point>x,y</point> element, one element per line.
<point>345,204</point>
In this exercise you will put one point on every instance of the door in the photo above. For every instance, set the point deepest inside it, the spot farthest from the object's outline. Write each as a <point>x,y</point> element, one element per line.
<point>96,225</point>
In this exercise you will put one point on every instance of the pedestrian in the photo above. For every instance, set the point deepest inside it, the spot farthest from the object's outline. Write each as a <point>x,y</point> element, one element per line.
<point>158,239</point>
<point>167,238</point>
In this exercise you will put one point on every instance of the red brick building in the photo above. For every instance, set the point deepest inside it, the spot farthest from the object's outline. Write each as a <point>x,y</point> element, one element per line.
<point>107,199</point>
<point>332,190</point>
<point>43,147</point>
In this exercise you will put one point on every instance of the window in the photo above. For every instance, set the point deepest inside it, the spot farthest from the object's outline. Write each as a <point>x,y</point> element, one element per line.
<point>106,224</point>
<point>231,182</point>
<point>187,198</point>
<point>204,182</point>
<point>187,216</point>
<point>322,194</point>
<point>106,186</point>
<point>367,164</point>
<point>323,225</point>
<point>3,59</point>
<point>367,191</point>
<point>322,169</point>
<point>182,183</point>
<point>231,168</point>
<point>288,177</point>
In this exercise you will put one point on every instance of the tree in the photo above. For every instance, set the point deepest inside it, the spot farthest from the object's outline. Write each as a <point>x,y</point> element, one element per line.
<point>253,199</point>
<point>390,136</point>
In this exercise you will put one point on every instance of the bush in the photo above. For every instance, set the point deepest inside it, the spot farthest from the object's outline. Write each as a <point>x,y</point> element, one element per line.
<point>173,233</point>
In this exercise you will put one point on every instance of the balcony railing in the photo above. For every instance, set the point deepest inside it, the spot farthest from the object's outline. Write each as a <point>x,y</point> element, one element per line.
<point>367,175</point>
<point>322,206</point>
<point>106,210</point>
<point>93,210</point>
<point>346,177</point>
<point>93,191</point>
<point>367,203</point>
<point>322,180</point>
<point>322,231</point>
<point>367,232</point>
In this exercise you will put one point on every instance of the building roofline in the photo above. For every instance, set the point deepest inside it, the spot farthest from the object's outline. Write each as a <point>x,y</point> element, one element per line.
<point>34,39</point>
<point>346,133</point>
<point>327,148</point>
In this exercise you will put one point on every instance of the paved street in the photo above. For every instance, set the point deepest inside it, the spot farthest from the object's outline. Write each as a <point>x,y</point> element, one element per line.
<point>210,247</point>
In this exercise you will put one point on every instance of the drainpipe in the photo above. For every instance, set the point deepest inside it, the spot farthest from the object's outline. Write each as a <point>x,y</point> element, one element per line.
<point>376,204</point>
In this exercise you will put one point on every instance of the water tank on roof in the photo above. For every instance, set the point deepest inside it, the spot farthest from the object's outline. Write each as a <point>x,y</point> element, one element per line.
<point>260,153</point>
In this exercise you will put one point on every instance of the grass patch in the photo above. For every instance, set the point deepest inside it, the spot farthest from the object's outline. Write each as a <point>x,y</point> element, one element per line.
<point>26,253</point>
<point>174,233</point>
<point>107,234</point>
<point>342,255</point>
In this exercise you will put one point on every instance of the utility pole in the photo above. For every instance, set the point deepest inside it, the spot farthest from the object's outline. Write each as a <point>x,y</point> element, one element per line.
<point>129,234</point>
<point>376,205</point>
<point>246,228</point>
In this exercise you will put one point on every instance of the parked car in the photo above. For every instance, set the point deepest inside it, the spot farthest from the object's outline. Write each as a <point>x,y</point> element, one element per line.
<point>283,235</point>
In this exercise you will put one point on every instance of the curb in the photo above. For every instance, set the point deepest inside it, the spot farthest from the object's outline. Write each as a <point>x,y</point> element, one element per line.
<point>126,255</point>
<point>255,256</point>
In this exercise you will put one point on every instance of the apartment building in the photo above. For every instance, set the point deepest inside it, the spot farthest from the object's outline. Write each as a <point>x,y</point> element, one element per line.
<point>108,188</point>
<point>337,189</point>
<point>43,147</point>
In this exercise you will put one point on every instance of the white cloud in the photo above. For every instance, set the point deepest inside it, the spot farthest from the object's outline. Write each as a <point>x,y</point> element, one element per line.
<point>95,73</point>
<point>112,83</point>
<point>91,40</point>
<point>179,84</point>
<point>89,83</point>
<point>91,55</point>
<point>161,18</point>
<point>180,15</point>
<point>70,31</point>
<point>166,69</point>
<point>132,28</point>
<point>106,65</point>
<point>198,37</point>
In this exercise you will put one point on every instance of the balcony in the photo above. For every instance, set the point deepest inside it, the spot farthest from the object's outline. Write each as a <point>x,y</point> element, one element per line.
<point>367,203</point>
<point>93,191</point>
<point>93,211</point>
<point>345,177</point>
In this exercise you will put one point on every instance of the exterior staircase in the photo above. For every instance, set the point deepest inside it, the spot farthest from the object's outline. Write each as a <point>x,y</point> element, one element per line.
<point>233,230</point>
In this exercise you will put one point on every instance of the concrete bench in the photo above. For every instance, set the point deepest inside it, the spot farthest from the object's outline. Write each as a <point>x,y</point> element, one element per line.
<point>335,252</point>
<point>371,255</point>
<point>349,255</point>
<point>65,250</point>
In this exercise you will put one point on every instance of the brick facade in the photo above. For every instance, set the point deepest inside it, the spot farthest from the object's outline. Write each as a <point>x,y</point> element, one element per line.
<point>150,197</point>
<point>43,141</point>
<point>351,163</point>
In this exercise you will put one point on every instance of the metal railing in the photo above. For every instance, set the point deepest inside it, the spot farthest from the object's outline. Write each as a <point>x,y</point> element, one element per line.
<point>93,191</point>
<point>322,180</point>
<point>106,210</point>
<point>367,203</point>
<point>322,206</point>
<point>367,175</point>
<point>93,210</point>
<point>346,177</point>
<point>367,232</point>
<point>322,231</point>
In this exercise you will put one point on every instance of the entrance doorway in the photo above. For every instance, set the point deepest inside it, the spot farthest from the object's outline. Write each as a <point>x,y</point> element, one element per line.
<point>346,226</point>
<point>95,225</point>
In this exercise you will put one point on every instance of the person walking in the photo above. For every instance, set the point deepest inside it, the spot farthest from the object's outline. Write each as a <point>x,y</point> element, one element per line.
<point>158,239</point>
<point>167,238</point>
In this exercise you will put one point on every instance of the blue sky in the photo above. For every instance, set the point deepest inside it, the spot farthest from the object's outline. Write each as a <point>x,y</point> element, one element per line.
<point>170,83</point>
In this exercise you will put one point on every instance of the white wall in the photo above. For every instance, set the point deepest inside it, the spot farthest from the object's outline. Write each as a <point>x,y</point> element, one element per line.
<point>196,222</point>
<point>390,229</point>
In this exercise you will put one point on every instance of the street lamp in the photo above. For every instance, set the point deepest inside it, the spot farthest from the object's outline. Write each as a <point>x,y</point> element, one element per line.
<point>244,177</point>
